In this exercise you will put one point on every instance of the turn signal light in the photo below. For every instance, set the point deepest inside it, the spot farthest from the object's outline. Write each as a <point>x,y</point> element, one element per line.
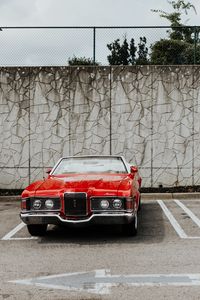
<point>23,204</point>
<point>129,203</point>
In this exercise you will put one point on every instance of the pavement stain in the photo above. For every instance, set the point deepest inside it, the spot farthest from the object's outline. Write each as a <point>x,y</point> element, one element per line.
<point>6,296</point>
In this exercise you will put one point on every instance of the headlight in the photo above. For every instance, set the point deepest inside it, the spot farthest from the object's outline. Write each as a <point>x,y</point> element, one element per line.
<point>104,204</point>
<point>37,204</point>
<point>117,203</point>
<point>49,204</point>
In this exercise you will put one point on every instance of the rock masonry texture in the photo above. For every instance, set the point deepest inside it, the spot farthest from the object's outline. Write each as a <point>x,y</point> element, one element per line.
<point>148,114</point>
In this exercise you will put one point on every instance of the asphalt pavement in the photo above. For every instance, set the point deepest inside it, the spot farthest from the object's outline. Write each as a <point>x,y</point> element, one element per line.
<point>161,262</point>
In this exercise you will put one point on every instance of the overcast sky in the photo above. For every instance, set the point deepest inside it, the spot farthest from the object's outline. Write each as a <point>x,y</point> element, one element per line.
<point>73,13</point>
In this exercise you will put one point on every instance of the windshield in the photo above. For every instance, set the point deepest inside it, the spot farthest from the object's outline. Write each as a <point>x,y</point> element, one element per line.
<point>90,165</point>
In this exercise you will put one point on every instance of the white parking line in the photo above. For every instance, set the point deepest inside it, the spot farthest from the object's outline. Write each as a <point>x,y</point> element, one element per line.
<point>9,235</point>
<point>193,237</point>
<point>172,220</point>
<point>188,212</point>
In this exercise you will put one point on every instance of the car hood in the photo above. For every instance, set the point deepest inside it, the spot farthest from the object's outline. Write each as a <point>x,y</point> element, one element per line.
<point>98,184</point>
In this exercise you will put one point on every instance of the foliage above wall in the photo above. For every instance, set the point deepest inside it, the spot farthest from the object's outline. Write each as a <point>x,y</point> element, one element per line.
<point>78,61</point>
<point>180,46</point>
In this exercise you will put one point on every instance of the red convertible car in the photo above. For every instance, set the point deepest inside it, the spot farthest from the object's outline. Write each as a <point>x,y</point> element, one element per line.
<point>84,190</point>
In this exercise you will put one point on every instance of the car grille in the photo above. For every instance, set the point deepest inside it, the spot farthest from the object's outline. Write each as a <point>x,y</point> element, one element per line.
<point>75,204</point>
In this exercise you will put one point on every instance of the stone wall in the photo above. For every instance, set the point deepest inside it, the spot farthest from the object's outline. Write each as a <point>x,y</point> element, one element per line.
<point>149,114</point>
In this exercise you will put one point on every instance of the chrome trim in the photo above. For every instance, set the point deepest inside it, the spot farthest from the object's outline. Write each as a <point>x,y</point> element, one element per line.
<point>126,217</point>
<point>44,210</point>
<point>109,197</point>
<point>43,197</point>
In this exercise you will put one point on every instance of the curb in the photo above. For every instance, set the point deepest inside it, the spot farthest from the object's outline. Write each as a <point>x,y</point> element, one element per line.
<point>168,196</point>
<point>144,196</point>
<point>10,198</point>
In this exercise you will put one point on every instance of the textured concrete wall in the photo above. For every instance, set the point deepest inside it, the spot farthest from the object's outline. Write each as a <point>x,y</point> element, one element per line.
<point>149,114</point>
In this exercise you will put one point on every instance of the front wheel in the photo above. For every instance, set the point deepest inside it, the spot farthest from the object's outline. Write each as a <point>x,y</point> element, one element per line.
<point>131,228</point>
<point>140,204</point>
<point>37,229</point>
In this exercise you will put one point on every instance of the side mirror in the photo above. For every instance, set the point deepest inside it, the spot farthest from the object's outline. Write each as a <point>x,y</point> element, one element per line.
<point>133,169</point>
<point>48,171</point>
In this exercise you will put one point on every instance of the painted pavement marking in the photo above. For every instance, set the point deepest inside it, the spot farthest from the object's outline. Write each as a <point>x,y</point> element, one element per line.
<point>101,281</point>
<point>181,233</point>
<point>9,235</point>
<point>188,212</point>
<point>179,230</point>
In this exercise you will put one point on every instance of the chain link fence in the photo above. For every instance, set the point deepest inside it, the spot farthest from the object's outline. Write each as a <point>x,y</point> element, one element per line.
<point>55,46</point>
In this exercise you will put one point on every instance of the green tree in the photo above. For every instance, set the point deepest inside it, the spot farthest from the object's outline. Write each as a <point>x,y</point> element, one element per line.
<point>127,53</point>
<point>142,52</point>
<point>119,52</point>
<point>181,45</point>
<point>169,52</point>
<point>133,50</point>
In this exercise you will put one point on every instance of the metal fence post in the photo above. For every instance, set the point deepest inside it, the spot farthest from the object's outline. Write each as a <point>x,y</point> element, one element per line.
<point>94,45</point>
<point>195,44</point>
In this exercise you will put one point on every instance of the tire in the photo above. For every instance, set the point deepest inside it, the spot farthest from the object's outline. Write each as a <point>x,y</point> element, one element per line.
<point>37,229</point>
<point>140,204</point>
<point>131,228</point>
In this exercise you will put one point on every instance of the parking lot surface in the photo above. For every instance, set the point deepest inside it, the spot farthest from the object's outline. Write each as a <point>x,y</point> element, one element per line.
<point>161,262</point>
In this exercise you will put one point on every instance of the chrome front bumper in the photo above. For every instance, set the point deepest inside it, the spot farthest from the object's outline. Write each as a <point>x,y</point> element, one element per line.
<point>101,218</point>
